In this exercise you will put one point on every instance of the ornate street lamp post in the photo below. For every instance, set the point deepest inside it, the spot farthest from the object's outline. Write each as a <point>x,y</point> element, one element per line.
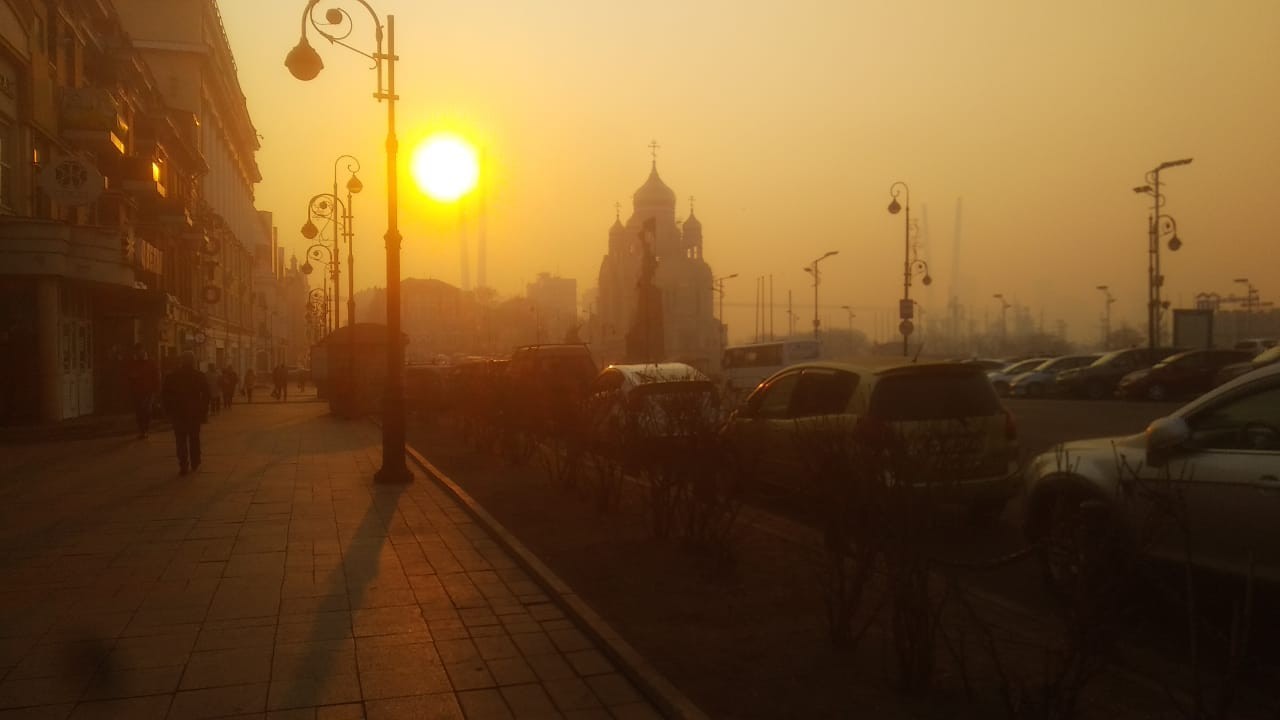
<point>1158,227</point>
<point>910,265</point>
<point>332,213</point>
<point>354,186</point>
<point>812,269</point>
<point>324,253</point>
<point>305,64</point>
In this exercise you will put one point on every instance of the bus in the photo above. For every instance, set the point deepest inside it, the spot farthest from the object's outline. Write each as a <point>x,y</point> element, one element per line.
<point>743,367</point>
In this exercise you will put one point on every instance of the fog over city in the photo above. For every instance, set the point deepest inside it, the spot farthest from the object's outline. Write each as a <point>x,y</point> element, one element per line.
<point>678,359</point>
<point>788,125</point>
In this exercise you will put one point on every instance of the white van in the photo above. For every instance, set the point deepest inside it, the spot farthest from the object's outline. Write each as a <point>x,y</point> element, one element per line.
<point>746,366</point>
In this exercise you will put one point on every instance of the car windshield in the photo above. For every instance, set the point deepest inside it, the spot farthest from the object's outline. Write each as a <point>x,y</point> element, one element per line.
<point>1024,366</point>
<point>930,396</point>
<point>1268,357</point>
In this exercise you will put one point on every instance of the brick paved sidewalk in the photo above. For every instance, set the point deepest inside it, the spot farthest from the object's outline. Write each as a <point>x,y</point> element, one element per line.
<point>277,582</point>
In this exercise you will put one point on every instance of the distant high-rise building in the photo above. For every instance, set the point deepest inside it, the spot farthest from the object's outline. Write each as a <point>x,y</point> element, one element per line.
<point>555,300</point>
<point>690,331</point>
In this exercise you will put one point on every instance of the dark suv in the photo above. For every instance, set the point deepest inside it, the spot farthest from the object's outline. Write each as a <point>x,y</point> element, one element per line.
<point>1099,380</point>
<point>1183,375</point>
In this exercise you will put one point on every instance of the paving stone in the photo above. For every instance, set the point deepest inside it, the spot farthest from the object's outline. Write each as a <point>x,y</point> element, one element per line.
<point>485,704</point>
<point>217,702</point>
<point>441,706</point>
<point>572,694</point>
<point>529,701</point>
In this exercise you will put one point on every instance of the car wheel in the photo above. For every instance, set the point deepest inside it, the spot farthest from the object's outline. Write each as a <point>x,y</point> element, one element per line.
<point>1157,392</point>
<point>1096,391</point>
<point>1083,549</point>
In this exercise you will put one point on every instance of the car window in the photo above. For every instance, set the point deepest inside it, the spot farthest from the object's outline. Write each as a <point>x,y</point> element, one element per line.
<point>608,380</point>
<point>822,392</point>
<point>933,397</point>
<point>1244,422</point>
<point>773,400</point>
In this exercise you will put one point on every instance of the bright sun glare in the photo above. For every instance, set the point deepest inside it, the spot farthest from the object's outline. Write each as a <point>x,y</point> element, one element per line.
<point>445,167</point>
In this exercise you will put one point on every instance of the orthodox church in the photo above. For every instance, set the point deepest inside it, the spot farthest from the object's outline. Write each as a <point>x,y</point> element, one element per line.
<point>656,257</point>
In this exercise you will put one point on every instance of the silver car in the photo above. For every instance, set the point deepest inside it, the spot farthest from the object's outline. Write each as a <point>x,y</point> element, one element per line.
<point>1204,481</point>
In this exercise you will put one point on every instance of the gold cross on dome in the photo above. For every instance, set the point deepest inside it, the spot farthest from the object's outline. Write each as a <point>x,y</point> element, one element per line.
<point>653,150</point>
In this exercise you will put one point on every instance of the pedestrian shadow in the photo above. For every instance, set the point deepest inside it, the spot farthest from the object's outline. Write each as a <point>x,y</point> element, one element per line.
<point>354,576</point>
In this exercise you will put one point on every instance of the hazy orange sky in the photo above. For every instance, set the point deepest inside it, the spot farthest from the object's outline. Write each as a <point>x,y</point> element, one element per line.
<point>788,122</point>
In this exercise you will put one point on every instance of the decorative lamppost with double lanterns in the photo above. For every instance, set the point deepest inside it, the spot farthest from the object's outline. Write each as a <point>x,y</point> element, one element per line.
<point>305,64</point>
<point>324,254</point>
<point>911,264</point>
<point>354,186</point>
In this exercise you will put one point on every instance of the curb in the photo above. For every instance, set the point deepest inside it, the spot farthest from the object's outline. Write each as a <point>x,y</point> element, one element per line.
<point>652,684</point>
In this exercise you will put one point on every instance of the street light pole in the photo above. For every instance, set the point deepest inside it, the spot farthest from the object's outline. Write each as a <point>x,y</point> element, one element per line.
<point>910,265</point>
<point>353,186</point>
<point>1157,226</point>
<point>305,64</point>
<point>1106,322</point>
<point>817,279</point>
<point>719,288</point>
<point>849,310</point>
<point>1249,291</point>
<point>1004,327</point>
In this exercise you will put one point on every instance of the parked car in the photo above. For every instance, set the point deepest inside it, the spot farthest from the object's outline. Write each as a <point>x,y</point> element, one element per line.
<point>1001,378</point>
<point>1036,383</point>
<point>906,401</point>
<point>1218,458</point>
<point>1099,380</point>
<point>1235,370</point>
<point>1178,376</point>
<point>653,401</point>
<point>1256,345</point>
<point>556,370</point>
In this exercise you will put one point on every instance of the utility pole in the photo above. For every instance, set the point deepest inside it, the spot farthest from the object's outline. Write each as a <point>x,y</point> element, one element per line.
<point>1106,316</point>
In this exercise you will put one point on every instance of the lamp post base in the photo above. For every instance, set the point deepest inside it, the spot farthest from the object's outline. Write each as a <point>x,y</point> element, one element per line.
<point>392,475</point>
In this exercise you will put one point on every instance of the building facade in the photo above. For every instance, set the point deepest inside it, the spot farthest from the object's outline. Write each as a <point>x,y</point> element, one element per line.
<point>690,331</point>
<point>186,47</point>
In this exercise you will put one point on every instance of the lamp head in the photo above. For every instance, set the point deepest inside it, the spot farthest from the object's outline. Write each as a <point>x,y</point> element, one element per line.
<point>894,207</point>
<point>306,268</point>
<point>1142,189</point>
<point>1174,243</point>
<point>354,186</point>
<point>303,61</point>
<point>309,230</point>
<point>928,280</point>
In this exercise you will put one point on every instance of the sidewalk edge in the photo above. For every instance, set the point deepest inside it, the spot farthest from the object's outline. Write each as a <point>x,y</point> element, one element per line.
<point>655,687</point>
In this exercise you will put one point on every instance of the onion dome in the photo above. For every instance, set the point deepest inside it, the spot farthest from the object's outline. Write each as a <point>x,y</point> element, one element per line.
<point>654,192</point>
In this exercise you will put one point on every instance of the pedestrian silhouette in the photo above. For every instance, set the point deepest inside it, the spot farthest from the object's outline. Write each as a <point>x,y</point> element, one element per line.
<point>144,378</point>
<point>186,399</point>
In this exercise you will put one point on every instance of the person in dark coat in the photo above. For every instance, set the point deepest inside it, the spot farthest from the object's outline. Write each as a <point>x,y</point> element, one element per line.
<point>249,380</point>
<point>186,400</point>
<point>230,380</point>
<point>144,379</point>
<point>281,378</point>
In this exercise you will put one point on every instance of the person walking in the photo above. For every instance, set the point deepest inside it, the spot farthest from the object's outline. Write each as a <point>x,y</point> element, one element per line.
<point>186,399</point>
<point>230,380</point>
<point>249,379</point>
<point>214,380</point>
<point>144,379</point>
<point>281,377</point>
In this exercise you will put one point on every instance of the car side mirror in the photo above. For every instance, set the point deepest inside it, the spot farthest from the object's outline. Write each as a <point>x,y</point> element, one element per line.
<point>1164,437</point>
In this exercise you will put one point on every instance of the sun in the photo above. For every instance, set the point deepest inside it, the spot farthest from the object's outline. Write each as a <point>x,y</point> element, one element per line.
<point>445,167</point>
